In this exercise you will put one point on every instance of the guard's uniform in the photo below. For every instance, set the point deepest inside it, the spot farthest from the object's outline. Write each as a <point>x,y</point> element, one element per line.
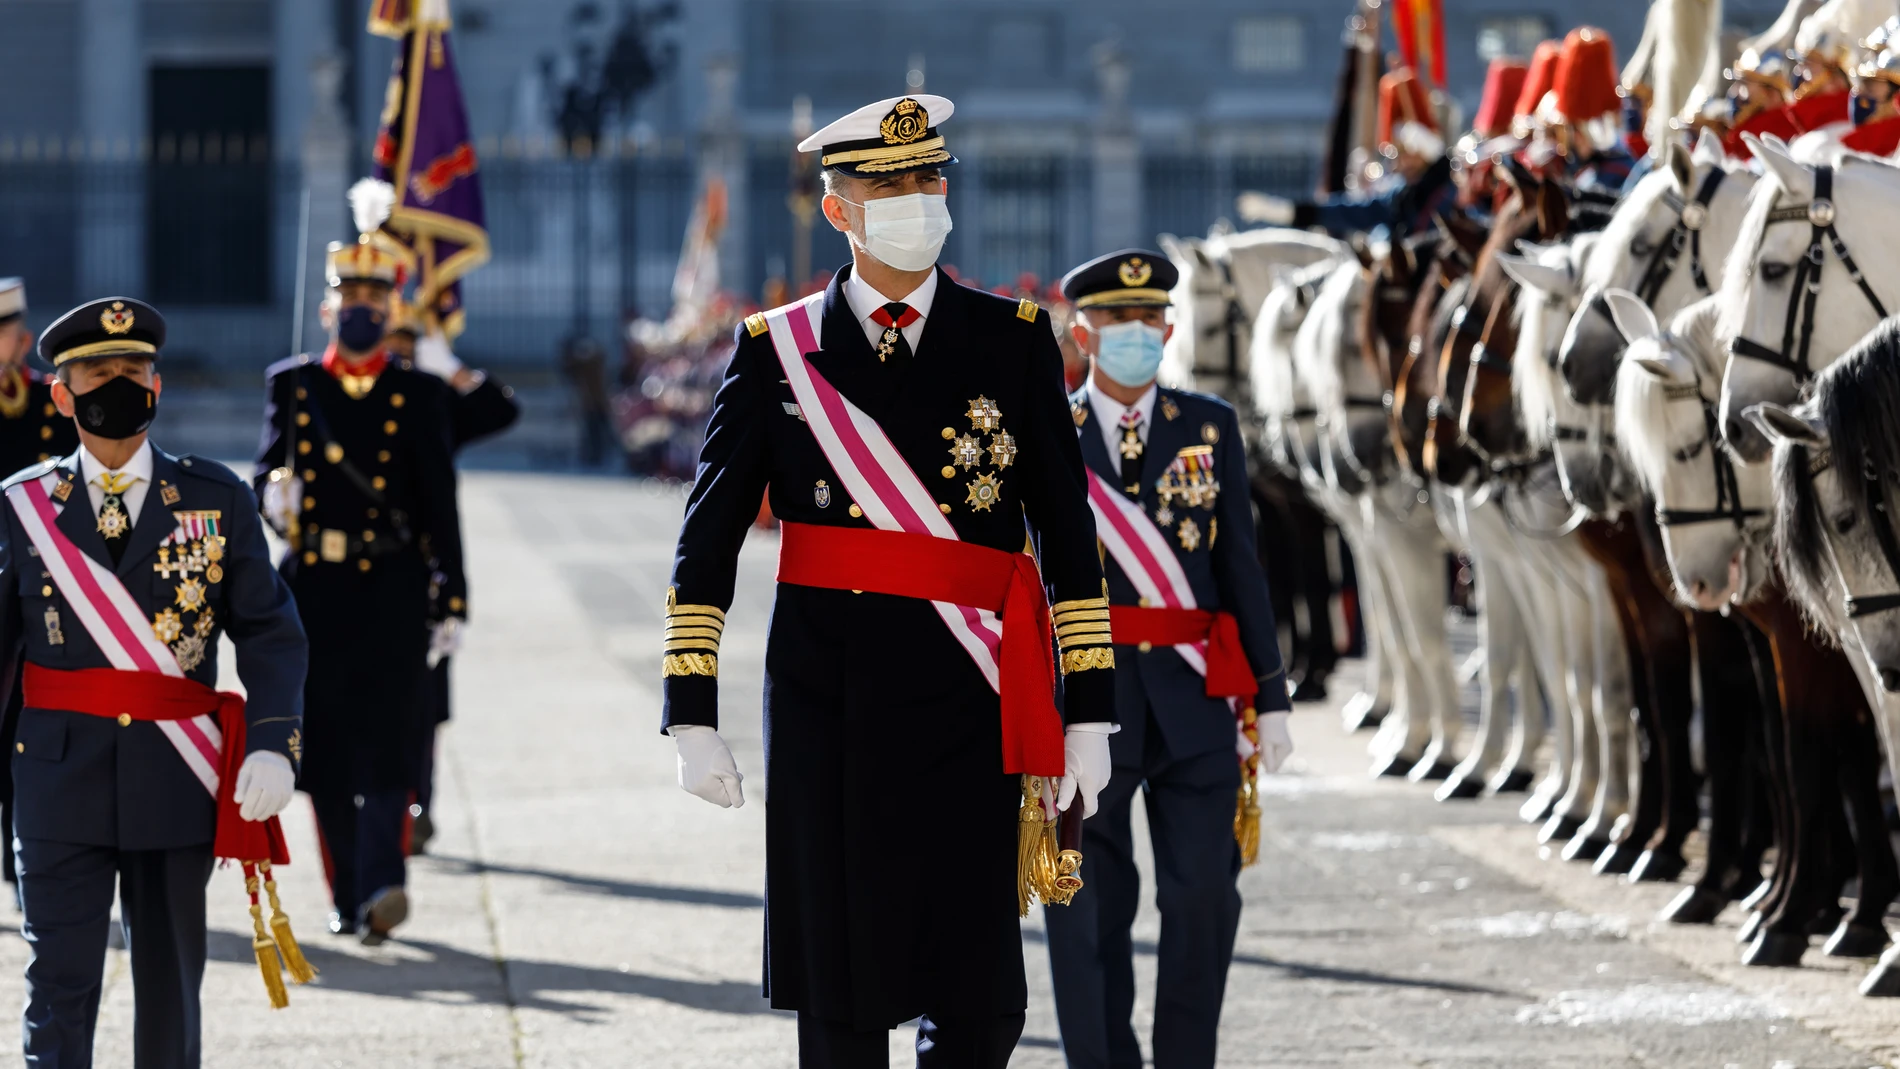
<point>891,831</point>
<point>1183,454</point>
<point>99,799</point>
<point>1395,205</point>
<point>378,524</point>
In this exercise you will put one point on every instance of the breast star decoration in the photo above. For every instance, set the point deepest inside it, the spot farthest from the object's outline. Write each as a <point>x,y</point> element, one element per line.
<point>191,595</point>
<point>966,451</point>
<point>984,415</point>
<point>167,626</point>
<point>1190,534</point>
<point>1003,449</point>
<point>985,491</point>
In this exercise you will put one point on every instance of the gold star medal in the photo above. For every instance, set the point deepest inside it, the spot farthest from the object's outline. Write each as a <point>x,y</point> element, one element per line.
<point>966,451</point>
<point>888,345</point>
<point>112,520</point>
<point>167,626</point>
<point>1190,534</point>
<point>1130,444</point>
<point>191,595</point>
<point>985,491</point>
<point>1003,449</point>
<point>984,415</point>
<point>1164,515</point>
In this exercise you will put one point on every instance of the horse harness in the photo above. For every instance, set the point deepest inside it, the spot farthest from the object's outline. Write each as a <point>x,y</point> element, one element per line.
<point>1691,217</point>
<point>1882,523</point>
<point>1798,327</point>
<point>1728,496</point>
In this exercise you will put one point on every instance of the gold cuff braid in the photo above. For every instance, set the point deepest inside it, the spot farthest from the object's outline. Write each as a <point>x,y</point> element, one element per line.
<point>1062,608</point>
<point>1084,659</point>
<point>689,664</point>
<point>1083,635</point>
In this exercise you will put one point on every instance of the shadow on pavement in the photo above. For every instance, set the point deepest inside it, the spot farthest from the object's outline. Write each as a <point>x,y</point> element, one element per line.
<point>448,974</point>
<point>692,896</point>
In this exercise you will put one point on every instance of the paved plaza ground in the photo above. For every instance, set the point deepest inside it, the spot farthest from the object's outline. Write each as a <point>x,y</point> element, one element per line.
<point>579,910</point>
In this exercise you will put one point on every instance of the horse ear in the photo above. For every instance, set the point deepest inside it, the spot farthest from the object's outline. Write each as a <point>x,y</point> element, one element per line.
<point>1681,165</point>
<point>1708,150</point>
<point>1173,247</point>
<point>1784,426</point>
<point>1632,316</point>
<point>1529,272</point>
<point>1793,175</point>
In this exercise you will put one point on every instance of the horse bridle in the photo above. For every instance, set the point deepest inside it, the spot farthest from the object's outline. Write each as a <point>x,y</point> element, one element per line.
<point>1691,217</point>
<point>1798,327</point>
<point>1882,524</point>
<point>1728,496</point>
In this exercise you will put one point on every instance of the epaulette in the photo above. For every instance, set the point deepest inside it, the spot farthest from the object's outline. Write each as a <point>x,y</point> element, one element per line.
<point>755,324</point>
<point>287,363</point>
<point>209,470</point>
<point>1027,309</point>
<point>31,471</point>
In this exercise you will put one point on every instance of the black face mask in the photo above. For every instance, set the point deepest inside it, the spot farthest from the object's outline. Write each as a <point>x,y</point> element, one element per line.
<point>120,408</point>
<point>359,328</point>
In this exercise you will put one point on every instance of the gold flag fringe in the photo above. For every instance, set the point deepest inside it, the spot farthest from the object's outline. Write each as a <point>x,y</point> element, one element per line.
<point>300,969</point>
<point>1044,871</point>
<point>1247,799</point>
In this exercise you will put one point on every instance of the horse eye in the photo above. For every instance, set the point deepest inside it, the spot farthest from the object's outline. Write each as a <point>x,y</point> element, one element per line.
<point>1642,247</point>
<point>1774,272</point>
<point>1690,452</point>
<point>1844,522</point>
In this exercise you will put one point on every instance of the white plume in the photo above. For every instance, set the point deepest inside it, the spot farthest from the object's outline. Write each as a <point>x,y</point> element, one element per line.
<point>370,203</point>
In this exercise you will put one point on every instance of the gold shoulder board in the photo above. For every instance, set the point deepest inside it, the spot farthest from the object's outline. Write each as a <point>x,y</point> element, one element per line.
<point>1026,309</point>
<point>755,324</point>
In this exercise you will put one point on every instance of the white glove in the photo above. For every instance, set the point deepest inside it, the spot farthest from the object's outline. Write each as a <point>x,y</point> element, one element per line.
<point>1085,765</point>
<point>1257,208</point>
<point>434,356</point>
<point>283,495</point>
<point>706,766</point>
<point>445,639</point>
<point>1276,743</point>
<point>265,783</point>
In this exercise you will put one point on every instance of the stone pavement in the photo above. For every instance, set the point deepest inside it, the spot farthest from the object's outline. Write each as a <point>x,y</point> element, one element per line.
<point>579,910</point>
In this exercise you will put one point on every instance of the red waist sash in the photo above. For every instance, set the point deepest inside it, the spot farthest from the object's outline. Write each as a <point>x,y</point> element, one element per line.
<point>939,569</point>
<point>1228,674</point>
<point>110,692</point>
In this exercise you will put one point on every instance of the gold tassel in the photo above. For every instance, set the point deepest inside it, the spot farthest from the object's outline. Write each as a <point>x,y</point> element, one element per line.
<point>1247,799</point>
<point>1068,878</point>
<point>299,967</point>
<point>267,963</point>
<point>1029,847</point>
<point>1045,869</point>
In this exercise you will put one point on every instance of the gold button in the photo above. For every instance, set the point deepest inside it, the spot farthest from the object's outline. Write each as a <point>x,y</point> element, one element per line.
<point>379,482</point>
<point>389,426</point>
<point>395,400</point>
<point>949,433</point>
<point>856,511</point>
<point>1143,603</point>
<point>333,453</point>
<point>1146,647</point>
<point>309,475</point>
<point>371,514</point>
<point>125,720</point>
<point>303,419</point>
<point>369,536</point>
<point>44,456</point>
<point>51,408</point>
<point>45,433</point>
<point>362,564</point>
<point>456,604</point>
<point>310,556</point>
<point>945,509</point>
<point>303,447</point>
<point>309,503</point>
<point>949,472</point>
<point>46,592</point>
<point>382,455</point>
<point>301,395</point>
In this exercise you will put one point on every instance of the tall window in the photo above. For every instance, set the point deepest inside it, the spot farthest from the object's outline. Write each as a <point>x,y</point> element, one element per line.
<point>1511,35</point>
<point>208,236</point>
<point>1270,44</point>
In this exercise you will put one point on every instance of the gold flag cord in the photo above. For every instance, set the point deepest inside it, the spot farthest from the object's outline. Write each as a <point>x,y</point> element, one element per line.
<point>1247,801</point>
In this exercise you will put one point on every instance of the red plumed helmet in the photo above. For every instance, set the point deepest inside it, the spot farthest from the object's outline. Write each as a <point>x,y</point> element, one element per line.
<point>1538,80</point>
<point>1586,77</point>
<point>1406,118</point>
<point>1503,84</point>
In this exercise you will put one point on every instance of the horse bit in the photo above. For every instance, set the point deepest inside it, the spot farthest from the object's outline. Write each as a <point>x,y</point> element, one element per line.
<point>1820,215</point>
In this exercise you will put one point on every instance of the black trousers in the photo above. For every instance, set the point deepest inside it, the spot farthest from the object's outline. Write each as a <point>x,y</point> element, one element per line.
<point>363,840</point>
<point>1190,806</point>
<point>948,1044</point>
<point>67,890</point>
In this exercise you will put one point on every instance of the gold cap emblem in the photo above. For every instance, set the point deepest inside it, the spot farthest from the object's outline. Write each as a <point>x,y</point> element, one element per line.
<point>907,122</point>
<point>116,319</point>
<point>1135,271</point>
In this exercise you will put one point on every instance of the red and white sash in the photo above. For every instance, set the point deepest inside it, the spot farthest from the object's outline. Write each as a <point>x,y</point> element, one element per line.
<point>874,473</point>
<point>114,620</point>
<point>1144,556</point>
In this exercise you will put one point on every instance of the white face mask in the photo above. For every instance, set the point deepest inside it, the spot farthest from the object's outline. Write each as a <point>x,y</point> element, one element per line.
<point>905,232</point>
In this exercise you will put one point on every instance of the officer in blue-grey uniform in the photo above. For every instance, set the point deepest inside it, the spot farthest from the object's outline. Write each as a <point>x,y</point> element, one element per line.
<point>106,802</point>
<point>1177,745</point>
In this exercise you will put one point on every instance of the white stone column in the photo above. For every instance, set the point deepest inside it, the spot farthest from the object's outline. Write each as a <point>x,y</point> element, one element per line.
<point>1118,219</point>
<point>112,112</point>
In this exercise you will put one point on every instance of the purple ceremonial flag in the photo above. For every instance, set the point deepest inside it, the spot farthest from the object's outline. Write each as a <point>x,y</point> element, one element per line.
<point>423,149</point>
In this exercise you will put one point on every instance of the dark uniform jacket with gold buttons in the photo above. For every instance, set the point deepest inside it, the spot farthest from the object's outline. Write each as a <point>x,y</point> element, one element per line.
<point>891,829</point>
<point>1212,535</point>
<point>378,521</point>
<point>31,428</point>
<point>103,782</point>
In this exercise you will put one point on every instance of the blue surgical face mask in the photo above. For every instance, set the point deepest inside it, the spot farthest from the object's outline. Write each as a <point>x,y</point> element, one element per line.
<point>359,327</point>
<point>1129,353</point>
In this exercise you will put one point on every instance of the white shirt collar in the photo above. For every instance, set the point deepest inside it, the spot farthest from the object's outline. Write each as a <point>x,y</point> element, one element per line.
<point>864,300</point>
<point>139,467</point>
<point>1109,410</point>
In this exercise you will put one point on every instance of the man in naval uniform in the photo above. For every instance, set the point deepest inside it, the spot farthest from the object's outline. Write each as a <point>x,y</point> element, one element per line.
<point>105,798</point>
<point>1176,464</point>
<point>898,772</point>
<point>356,468</point>
<point>479,406</point>
<point>31,430</point>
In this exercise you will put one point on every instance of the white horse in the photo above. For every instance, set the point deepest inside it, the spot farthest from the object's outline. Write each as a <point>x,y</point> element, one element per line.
<point>1223,280</point>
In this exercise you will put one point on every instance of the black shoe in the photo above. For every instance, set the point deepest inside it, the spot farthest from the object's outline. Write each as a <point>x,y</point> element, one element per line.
<point>1309,690</point>
<point>339,926</point>
<point>385,910</point>
<point>420,832</point>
